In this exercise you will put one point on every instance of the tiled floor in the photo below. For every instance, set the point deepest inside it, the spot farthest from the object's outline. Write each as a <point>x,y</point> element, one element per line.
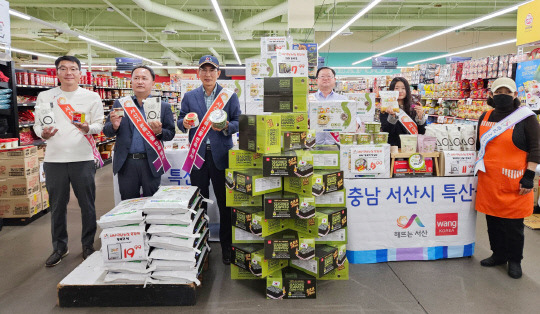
<point>444,286</point>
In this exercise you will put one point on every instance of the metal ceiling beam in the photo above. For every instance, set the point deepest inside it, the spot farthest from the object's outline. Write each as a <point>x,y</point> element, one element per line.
<point>392,34</point>
<point>209,43</point>
<point>176,14</point>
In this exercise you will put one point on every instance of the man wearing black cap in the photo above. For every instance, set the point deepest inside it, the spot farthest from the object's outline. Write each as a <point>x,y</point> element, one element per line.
<point>215,144</point>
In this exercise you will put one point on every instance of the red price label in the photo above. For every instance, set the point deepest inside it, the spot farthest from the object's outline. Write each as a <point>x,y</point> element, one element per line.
<point>129,253</point>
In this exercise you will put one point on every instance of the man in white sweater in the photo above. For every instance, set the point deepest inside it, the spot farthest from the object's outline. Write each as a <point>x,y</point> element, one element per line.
<point>70,154</point>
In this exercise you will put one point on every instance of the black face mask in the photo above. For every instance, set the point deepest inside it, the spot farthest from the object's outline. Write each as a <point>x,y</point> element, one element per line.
<point>501,102</point>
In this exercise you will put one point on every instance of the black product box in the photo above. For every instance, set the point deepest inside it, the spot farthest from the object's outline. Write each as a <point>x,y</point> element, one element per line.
<point>289,244</point>
<point>321,182</point>
<point>285,94</point>
<point>290,283</point>
<point>242,217</point>
<point>280,205</point>
<point>326,257</point>
<point>325,221</point>
<point>288,164</point>
<point>241,254</point>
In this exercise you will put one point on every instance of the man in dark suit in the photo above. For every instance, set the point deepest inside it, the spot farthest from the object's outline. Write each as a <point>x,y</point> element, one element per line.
<point>215,145</point>
<point>133,156</point>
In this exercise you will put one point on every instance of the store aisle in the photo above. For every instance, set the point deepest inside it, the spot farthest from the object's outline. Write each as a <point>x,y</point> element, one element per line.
<point>447,286</point>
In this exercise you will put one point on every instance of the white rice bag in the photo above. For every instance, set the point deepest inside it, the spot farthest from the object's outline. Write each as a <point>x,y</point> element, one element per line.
<point>135,267</point>
<point>185,231</point>
<point>468,137</point>
<point>180,244</point>
<point>454,137</point>
<point>127,278</point>
<point>127,212</point>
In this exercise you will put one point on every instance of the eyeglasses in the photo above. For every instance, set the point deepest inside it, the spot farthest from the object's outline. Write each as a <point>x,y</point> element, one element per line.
<point>205,71</point>
<point>64,69</point>
<point>325,77</point>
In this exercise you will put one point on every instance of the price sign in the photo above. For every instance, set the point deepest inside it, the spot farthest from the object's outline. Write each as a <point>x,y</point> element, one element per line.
<point>440,119</point>
<point>367,159</point>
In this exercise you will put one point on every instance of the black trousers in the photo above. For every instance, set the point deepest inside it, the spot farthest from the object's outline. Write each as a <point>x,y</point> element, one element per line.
<point>506,237</point>
<point>81,177</point>
<point>134,174</point>
<point>201,178</point>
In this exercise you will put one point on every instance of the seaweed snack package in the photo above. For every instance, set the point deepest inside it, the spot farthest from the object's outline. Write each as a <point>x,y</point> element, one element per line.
<point>45,114</point>
<point>454,137</point>
<point>389,99</point>
<point>468,137</point>
<point>427,144</point>
<point>442,137</point>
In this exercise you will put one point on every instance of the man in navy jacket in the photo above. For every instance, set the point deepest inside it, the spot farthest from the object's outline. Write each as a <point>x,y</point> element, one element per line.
<point>215,145</point>
<point>133,156</point>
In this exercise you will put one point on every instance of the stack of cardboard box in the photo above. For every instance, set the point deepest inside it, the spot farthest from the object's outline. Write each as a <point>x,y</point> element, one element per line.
<point>20,186</point>
<point>288,204</point>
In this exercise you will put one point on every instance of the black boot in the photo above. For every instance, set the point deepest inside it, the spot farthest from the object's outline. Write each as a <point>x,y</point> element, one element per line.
<point>514,270</point>
<point>492,261</point>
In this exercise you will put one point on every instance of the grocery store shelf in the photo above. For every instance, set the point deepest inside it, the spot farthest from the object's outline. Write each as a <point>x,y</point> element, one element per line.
<point>454,98</point>
<point>5,112</point>
<point>35,86</point>
<point>451,117</point>
<point>106,142</point>
<point>106,87</point>
<point>29,104</point>
<point>26,125</point>
<point>86,85</point>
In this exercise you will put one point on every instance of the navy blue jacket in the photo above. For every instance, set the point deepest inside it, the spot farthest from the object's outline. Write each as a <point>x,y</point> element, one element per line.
<point>125,133</point>
<point>221,142</point>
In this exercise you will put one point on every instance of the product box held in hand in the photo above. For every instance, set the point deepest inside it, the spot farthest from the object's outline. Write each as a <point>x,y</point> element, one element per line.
<point>289,244</point>
<point>260,133</point>
<point>152,109</point>
<point>234,198</point>
<point>290,283</point>
<point>251,182</point>
<point>321,182</point>
<point>288,164</point>
<point>325,221</point>
<point>243,159</point>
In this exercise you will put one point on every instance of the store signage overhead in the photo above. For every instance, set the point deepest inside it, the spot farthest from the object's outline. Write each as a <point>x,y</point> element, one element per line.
<point>127,64</point>
<point>384,63</point>
<point>528,23</point>
<point>456,59</point>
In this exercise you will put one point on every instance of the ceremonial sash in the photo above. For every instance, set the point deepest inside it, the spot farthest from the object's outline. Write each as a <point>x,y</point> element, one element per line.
<point>68,111</point>
<point>517,116</point>
<point>407,122</point>
<point>146,132</point>
<point>193,157</point>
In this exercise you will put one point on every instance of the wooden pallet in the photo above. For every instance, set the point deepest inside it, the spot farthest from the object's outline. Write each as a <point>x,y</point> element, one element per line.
<point>25,221</point>
<point>84,287</point>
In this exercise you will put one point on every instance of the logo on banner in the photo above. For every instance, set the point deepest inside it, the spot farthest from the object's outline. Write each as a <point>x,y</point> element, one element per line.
<point>528,21</point>
<point>404,222</point>
<point>446,224</point>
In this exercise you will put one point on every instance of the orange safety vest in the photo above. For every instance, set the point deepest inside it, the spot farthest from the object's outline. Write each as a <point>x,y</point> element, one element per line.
<point>498,188</point>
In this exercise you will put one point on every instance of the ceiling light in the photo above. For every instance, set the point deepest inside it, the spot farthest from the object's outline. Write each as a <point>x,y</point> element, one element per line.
<point>226,29</point>
<point>506,42</point>
<point>448,30</point>
<point>110,9</point>
<point>19,14</point>
<point>30,53</point>
<point>98,43</point>
<point>344,27</point>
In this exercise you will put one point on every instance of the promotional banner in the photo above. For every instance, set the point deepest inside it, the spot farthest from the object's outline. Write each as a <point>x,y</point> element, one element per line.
<point>257,68</point>
<point>528,19</point>
<point>270,45</point>
<point>5,28</point>
<point>188,85</point>
<point>238,86</point>
<point>527,82</point>
<point>292,63</point>
<point>410,218</point>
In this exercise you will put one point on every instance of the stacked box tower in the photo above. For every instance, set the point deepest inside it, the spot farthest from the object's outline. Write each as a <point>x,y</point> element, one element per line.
<point>288,204</point>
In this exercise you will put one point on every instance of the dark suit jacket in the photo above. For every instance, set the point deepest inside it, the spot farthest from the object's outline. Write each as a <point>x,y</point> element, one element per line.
<point>125,133</point>
<point>221,142</point>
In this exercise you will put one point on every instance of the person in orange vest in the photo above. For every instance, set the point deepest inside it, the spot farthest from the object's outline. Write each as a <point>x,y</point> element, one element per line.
<point>509,151</point>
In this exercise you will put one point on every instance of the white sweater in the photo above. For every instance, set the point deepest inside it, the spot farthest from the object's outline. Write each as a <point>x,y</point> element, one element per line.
<point>69,143</point>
